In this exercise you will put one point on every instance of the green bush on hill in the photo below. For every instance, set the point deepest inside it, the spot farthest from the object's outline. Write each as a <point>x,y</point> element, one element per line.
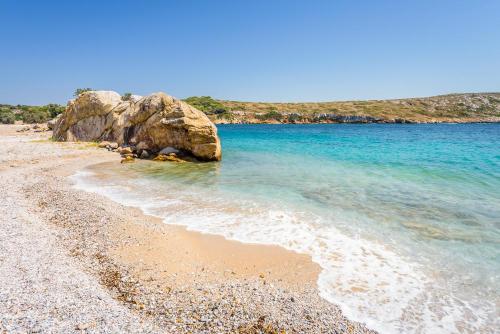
<point>271,115</point>
<point>294,117</point>
<point>228,116</point>
<point>126,96</point>
<point>78,91</point>
<point>206,104</point>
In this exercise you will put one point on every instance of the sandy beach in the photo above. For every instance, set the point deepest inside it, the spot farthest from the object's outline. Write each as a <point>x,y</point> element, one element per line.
<point>73,261</point>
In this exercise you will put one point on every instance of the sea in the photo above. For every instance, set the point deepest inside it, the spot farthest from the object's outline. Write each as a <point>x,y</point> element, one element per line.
<point>404,219</point>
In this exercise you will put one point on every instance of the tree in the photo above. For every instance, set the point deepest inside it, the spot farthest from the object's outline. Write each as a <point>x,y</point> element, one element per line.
<point>79,91</point>
<point>126,96</point>
<point>54,109</point>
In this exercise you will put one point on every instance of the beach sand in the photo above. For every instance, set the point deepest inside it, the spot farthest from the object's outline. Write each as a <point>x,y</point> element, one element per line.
<point>73,261</point>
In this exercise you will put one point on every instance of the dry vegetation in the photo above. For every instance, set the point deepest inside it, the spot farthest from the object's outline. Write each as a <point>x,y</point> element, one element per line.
<point>475,107</point>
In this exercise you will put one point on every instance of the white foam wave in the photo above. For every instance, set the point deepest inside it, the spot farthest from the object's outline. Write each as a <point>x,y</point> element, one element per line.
<point>370,282</point>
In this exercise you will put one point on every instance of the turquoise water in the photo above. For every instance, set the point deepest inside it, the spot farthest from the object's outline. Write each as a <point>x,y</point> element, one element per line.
<point>403,219</point>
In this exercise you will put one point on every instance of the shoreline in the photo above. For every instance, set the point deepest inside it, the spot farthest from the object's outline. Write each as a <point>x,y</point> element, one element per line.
<point>168,277</point>
<point>217,122</point>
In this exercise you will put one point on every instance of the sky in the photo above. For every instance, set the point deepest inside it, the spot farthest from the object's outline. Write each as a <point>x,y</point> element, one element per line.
<point>259,50</point>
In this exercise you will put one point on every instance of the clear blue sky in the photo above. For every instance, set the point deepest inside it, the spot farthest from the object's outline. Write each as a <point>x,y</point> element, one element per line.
<point>270,50</point>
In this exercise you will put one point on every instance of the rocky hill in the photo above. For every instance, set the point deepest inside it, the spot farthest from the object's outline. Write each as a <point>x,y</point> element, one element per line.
<point>460,108</point>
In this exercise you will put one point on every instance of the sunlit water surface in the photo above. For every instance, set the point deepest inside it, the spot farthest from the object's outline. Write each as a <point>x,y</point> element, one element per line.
<point>403,219</point>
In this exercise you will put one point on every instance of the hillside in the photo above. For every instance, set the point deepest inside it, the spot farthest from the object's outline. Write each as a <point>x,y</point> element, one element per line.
<point>472,107</point>
<point>459,108</point>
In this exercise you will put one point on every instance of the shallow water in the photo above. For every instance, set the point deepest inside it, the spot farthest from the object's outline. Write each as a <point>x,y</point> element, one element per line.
<point>403,219</point>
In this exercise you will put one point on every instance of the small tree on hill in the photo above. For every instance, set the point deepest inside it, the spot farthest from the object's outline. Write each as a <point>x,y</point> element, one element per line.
<point>79,91</point>
<point>126,96</point>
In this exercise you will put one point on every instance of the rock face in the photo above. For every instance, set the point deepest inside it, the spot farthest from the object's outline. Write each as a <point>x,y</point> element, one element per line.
<point>52,123</point>
<point>151,123</point>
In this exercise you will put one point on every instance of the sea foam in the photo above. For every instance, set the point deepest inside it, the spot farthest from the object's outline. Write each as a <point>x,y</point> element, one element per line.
<point>369,281</point>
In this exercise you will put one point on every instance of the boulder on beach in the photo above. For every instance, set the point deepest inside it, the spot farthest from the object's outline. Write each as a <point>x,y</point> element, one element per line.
<point>52,123</point>
<point>104,144</point>
<point>153,122</point>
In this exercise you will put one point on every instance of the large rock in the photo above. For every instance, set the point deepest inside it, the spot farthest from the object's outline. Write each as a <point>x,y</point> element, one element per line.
<point>52,123</point>
<point>152,122</point>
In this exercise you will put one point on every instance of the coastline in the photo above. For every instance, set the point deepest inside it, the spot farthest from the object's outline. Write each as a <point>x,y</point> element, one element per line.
<point>168,278</point>
<point>389,122</point>
<point>456,108</point>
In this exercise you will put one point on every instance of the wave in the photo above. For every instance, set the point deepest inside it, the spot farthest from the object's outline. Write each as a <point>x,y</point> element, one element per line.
<point>371,282</point>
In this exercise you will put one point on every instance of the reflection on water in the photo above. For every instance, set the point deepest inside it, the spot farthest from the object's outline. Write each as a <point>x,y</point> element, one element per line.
<point>189,173</point>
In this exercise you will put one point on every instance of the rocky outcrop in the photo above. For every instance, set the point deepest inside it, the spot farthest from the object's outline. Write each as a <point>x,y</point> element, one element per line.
<point>150,123</point>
